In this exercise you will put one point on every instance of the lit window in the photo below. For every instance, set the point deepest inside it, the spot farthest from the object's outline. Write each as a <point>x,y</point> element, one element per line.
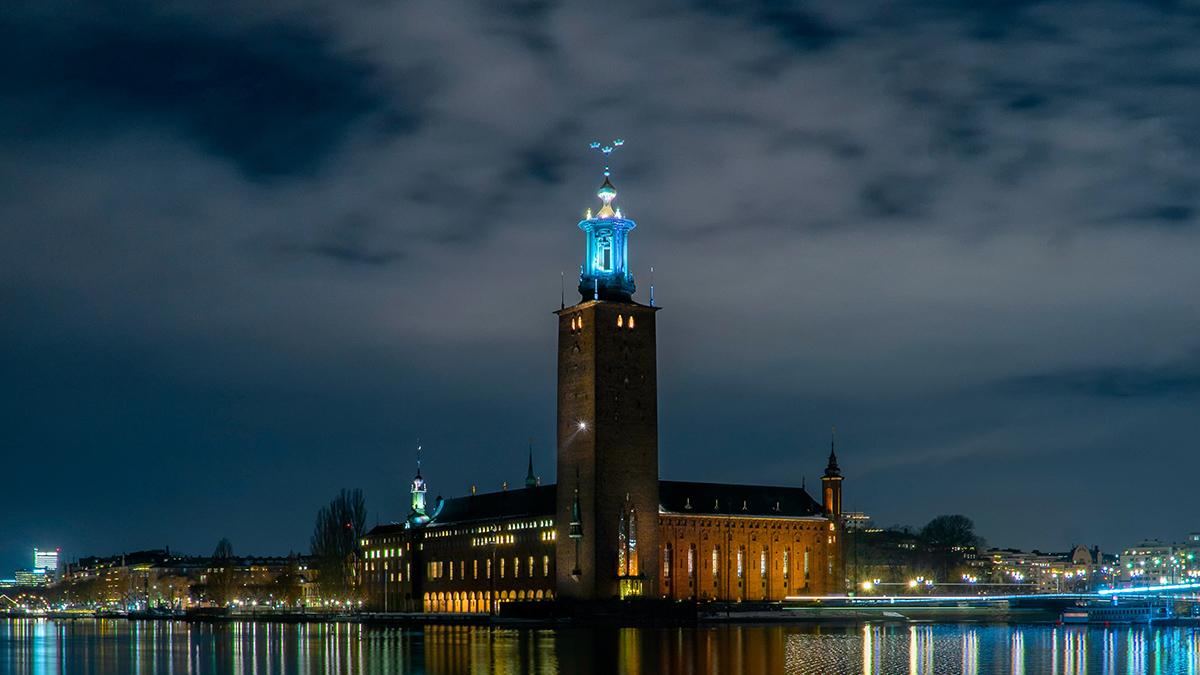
<point>474,569</point>
<point>762,564</point>
<point>620,321</point>
<point>631,321</point>
<point>667,561</point>
<point>786,555</point>
<point>741,554</point>
<point>545,565</point>
<point>489,568</point>
<point>502,568</point>
<point>531,567</point>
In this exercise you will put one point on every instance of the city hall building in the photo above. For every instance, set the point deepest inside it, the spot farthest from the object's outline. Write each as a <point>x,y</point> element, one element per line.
<point>609,527</point>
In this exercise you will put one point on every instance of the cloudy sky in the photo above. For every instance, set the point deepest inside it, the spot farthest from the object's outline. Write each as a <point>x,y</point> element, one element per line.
<point>251,252</point>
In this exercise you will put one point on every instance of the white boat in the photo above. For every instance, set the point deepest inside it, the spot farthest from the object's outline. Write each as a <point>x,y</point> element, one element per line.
<point>1110,614</point>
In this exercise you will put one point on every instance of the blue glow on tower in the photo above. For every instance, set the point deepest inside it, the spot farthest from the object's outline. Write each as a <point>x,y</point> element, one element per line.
<point>605,273</point>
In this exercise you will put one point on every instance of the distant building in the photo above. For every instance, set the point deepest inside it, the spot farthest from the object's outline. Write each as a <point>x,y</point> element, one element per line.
<point>1079,570</point>
<point>158,578</point>
<point>1154,562</point>
<point>31,577</point>
<point>609,527</point>
<point>46,560</point>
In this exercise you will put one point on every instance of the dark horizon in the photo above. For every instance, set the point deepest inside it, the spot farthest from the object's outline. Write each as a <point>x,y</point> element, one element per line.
<point>251,258</point>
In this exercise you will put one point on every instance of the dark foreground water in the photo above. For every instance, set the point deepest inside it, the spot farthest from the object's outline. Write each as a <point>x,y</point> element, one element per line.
<point>118,646</point>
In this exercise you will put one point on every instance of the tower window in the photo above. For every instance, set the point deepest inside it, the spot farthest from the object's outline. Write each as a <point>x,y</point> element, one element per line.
<point>620,321</point>
<point>604,254</point>
<point>631,321</point>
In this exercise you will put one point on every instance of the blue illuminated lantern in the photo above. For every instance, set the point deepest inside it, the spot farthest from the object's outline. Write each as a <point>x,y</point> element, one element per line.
<point>605,273</point>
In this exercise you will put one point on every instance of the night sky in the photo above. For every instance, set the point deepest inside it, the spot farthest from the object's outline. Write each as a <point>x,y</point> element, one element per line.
<point>251,252</point>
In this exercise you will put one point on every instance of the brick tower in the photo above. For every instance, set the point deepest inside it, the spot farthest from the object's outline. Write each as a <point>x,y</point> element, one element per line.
<point>607,508</point>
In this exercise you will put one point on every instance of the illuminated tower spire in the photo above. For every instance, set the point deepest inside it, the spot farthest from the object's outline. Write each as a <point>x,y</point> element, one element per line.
<point>417,515</point>
<point>605,273</point>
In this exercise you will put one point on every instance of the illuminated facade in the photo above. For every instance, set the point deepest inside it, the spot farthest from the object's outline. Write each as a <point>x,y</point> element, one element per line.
<point>46,560</point>
<point>609,527</point>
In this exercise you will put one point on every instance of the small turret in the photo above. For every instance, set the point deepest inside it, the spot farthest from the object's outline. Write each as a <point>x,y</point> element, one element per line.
<point>417,515</point>
<point>831,482</point>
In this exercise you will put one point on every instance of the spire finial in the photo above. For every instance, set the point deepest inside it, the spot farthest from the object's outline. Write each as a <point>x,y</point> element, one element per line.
<point>607,192</point>
<point>418,458</point>
<point>831,469</point>
<point>562,290</point>
<point>530,479</point>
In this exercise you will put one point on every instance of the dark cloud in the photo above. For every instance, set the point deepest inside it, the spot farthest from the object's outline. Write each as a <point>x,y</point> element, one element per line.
<point>274,99</point>
<point>1178,380</point>
<point>249,253</point>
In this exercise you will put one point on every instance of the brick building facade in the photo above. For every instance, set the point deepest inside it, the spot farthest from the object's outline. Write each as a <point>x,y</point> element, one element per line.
<point>609,527</point>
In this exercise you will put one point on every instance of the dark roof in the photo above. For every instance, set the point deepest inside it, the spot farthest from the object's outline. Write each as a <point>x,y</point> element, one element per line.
<point>531,501</point>
<point>736,500</point>
<point>520,503</point>
<point>674,497</point>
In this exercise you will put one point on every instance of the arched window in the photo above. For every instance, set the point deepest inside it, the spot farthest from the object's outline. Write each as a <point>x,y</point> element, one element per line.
<point>667,562</point>
<point>627,555</point>
<point>620,321</point>
<point>604,253</point>
<point>716,564</point>
<point>631,321</point>
<point>787,554</point>
<point>691,565</point>
<point>741,562</point>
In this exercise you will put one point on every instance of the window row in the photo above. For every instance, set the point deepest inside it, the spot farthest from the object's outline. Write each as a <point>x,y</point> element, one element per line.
<point>441,569</point>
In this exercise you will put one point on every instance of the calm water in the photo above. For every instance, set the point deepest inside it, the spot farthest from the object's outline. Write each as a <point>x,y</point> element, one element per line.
<point>118,646</point>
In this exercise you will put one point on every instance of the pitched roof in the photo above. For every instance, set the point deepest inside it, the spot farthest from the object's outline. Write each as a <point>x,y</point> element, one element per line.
<point>530,501</point>
<point>736,500</point>
<point>674,497</point>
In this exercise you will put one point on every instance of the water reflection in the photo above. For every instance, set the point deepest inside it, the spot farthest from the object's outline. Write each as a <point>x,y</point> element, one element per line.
<point>153,648</point>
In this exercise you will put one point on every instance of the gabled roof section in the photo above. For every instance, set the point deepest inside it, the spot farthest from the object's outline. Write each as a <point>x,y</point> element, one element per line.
<point>736,500</point>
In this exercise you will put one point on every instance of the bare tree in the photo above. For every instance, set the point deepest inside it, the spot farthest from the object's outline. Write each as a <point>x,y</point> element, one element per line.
<point>336,534</point>
<point>221,585</point>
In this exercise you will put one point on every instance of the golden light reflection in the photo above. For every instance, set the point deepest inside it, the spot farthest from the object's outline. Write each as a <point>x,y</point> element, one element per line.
<point>106,647</point>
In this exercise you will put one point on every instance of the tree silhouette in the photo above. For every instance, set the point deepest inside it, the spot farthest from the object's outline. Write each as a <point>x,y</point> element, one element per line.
<point>336,534</point>
<point>221,576</point>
